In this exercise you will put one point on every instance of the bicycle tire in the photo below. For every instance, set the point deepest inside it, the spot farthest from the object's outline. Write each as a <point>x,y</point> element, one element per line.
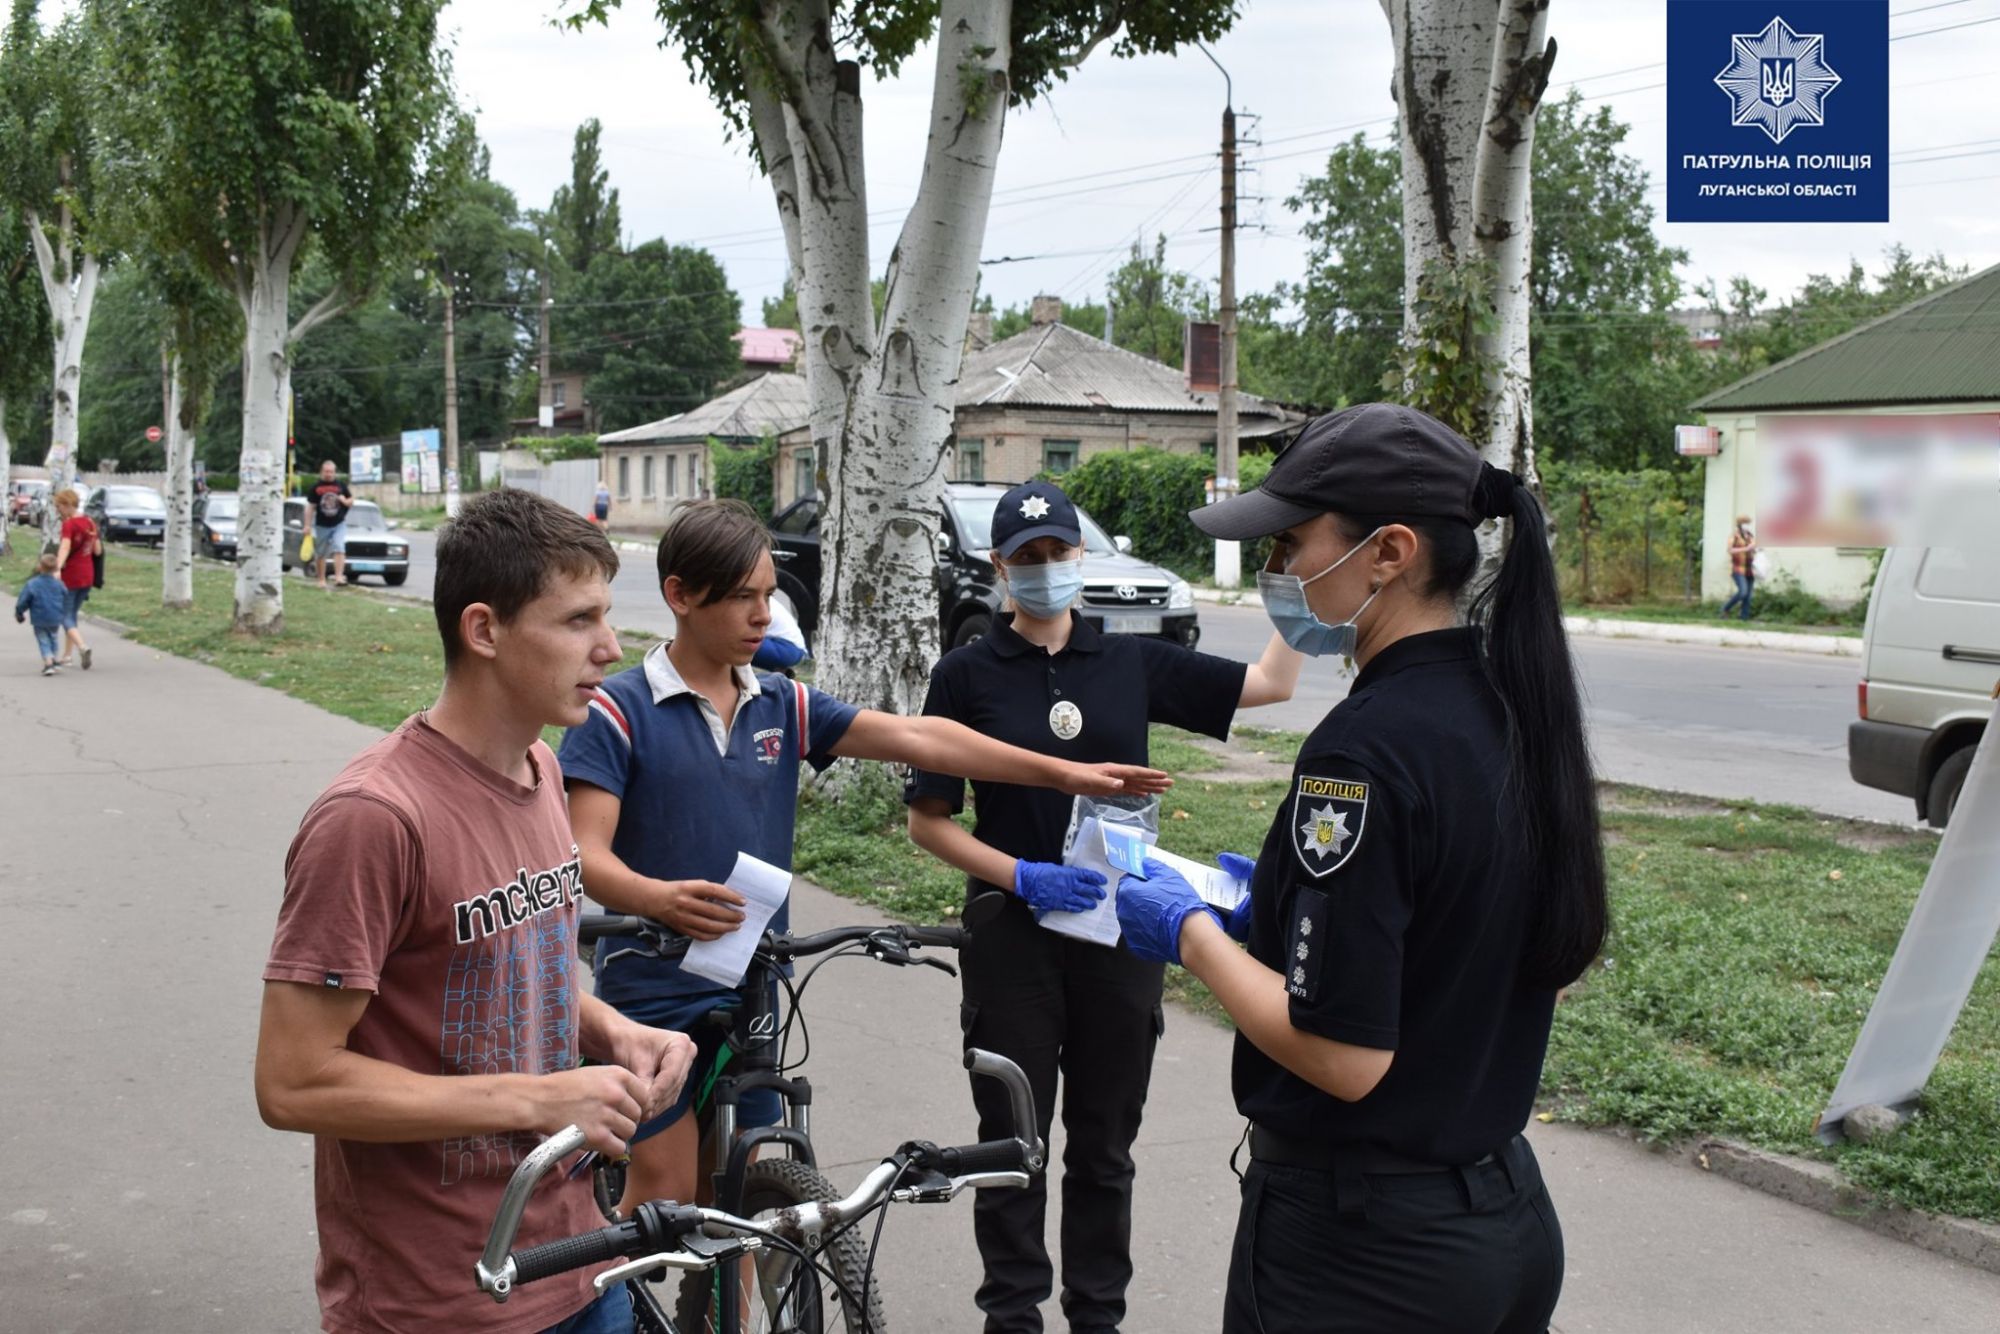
<point>815,1307</point>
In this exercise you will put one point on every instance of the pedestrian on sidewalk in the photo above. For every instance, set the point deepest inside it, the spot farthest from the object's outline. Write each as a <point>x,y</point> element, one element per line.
<point>329,500</point>
<point>423,1025</point>
<point>602,505</point>
<point>1742,566</point>
<point>78,546</point>
<point>1430,882</point>
<point>693,757</point>
<point>1080,1018</point>
<point>41,603</point>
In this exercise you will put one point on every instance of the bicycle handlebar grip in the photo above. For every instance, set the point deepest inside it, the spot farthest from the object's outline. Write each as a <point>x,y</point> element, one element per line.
<point>941,937</point>
<point>1000,1155</point>
<point>592,926</point>
<point>558,1257</point>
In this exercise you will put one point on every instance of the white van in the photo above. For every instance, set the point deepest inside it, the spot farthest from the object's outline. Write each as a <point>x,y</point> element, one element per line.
<point>1930,666</point>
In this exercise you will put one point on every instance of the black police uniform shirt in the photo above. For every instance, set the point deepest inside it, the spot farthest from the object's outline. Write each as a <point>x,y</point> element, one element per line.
<point>1393,896</point>
<point>1090,703</point>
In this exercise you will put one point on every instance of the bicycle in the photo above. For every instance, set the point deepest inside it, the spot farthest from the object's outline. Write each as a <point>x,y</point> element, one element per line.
<point>785,1246</point>
<point>753,1057</point>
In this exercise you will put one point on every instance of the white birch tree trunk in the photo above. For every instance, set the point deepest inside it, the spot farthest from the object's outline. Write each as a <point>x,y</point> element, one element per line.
<point>177,556</point>
<point>1469,78</point>
<point>260,533</point>
<point>71,290</point>
<point>881,403</point>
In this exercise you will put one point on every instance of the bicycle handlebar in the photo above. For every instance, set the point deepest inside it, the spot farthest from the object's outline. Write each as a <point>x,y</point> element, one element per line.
<point>656,1226</point>
<point>666,943</point>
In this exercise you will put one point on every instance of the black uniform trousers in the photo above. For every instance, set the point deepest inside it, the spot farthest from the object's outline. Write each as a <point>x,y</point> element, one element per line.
<point>1465,1250</point>
<point>1091,1015</point>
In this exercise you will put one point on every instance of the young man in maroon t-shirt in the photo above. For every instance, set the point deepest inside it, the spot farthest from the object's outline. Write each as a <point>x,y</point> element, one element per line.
<point>422,1014</point>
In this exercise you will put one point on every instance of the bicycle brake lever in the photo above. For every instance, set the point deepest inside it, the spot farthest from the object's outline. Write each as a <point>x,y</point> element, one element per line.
<point>948,969</point>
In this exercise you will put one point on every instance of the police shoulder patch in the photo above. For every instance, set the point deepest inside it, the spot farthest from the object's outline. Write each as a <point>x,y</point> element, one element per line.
<point>1328,817</point>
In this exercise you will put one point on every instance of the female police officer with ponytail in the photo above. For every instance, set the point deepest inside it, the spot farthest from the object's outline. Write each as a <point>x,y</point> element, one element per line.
<point>1431,881</point>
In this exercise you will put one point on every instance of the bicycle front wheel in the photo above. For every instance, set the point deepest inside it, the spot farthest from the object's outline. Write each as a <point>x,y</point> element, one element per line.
<point>779,1293</point>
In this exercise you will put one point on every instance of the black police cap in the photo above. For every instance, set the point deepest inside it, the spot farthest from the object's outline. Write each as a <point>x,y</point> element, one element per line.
<point>1372,459</point>
<point>1032,510</point>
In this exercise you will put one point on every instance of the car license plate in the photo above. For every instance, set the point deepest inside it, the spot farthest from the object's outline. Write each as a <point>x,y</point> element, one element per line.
<point>365,566</point>
<point>1131,625</point>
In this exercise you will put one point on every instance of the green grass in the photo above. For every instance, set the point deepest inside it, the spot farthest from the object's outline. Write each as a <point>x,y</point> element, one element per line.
<point>1169,748</point>
<point>1813,619</point>
<point>375,660</point>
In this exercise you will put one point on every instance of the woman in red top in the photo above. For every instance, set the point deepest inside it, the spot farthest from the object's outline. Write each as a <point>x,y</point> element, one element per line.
<point>79,543</point>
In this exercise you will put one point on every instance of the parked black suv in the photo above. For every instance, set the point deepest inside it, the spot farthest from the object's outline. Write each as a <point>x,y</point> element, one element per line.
<point>1121,593</point>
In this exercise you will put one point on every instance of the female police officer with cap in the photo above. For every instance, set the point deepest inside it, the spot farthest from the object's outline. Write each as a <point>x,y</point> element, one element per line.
<point>1046,680</point>
<point>1433,877</point>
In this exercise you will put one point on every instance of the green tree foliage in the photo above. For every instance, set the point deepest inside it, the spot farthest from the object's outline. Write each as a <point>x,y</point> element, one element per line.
<point>744,472</point>
<point>24,330</point>
<point>1146,494</point>
<point>583,217</point>
<point>782,311</point>
<point>652,329</point>
<point>484,249</point>
<point>1083,316</point>
<point>1350,301</point>
<point>1151,303</point>
<point>1756,335</point>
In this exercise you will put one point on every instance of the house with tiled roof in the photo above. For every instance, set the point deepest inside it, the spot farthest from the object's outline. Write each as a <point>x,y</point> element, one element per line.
<point>1050,397</point>
<point>654,468</point>
<point>1938,354</point>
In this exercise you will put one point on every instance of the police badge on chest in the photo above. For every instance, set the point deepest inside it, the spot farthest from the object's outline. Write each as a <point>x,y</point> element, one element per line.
<point>1066,720</point>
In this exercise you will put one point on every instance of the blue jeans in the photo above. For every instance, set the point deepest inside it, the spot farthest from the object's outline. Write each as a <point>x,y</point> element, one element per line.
<point>48,639</point>
<point>1744,584</point>
<point>73,600</point>
<point>609,1314</point>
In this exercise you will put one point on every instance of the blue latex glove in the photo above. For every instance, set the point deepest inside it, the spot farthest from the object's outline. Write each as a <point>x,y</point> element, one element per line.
<point>1151,912</point>
<point>1048,887</point>
<point>1241,868</point>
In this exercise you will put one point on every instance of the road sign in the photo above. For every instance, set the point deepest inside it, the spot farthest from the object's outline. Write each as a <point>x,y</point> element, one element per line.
<point>153,434</point>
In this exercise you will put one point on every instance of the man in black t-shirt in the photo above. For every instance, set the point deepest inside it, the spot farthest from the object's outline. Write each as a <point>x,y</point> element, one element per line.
<point>329,500</point>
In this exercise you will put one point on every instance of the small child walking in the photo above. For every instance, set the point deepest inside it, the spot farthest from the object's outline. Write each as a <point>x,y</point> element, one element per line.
<point>41,605</point>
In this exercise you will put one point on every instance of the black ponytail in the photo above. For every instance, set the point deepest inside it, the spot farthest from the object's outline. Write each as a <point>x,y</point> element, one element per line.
<point>1526,657</point>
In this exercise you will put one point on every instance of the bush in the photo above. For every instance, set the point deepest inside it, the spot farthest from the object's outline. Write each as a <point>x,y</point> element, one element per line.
<point>743,472</point>
<point>1626,536</point>
<point>1146,494</point>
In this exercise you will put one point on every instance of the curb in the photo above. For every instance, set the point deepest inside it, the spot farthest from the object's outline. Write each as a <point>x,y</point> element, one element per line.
<point>1821,1187</point>
<point>1667,632</point>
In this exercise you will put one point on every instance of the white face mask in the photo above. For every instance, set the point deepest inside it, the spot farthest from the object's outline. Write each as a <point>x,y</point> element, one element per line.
<point>1285,603</point>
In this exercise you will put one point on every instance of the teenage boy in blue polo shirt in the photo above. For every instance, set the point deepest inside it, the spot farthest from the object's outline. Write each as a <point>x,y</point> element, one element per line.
<point>693,758</point>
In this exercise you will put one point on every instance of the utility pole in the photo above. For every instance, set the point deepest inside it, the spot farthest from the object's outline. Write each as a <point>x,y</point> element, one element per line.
<point>450,396</point>
<point>1228,555</point>
<point>547,416</point>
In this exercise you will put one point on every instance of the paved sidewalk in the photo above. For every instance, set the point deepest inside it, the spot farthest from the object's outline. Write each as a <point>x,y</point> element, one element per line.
<point>148,805</point>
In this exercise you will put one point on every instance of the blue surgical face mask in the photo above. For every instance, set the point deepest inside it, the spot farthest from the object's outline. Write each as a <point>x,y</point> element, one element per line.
<point>1285,603</point>
<point>1045,591</point>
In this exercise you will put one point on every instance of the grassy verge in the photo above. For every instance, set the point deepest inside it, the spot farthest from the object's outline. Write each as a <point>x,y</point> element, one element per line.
<point>1748,943</point>
<point>375,660</point>
<point>1814,621</point>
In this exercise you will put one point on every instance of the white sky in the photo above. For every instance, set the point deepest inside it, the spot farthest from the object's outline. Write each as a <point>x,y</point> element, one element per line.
<point>1313,71</point>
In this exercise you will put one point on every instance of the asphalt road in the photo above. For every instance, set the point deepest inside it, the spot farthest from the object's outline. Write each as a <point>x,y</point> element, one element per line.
<point>1729,723</point>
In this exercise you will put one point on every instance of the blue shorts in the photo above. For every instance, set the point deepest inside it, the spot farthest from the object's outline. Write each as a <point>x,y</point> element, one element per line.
<point>73,600</point>
<point>683,1014</point>
<point>330,541</point>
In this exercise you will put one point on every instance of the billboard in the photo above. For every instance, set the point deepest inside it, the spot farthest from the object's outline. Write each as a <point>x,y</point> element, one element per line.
<point>1867,481</point>
<point>421,461</point>
<point>364,463</point>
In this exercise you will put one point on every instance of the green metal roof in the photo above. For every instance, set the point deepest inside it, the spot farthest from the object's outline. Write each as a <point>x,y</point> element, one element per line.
<point>1941,348</point>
